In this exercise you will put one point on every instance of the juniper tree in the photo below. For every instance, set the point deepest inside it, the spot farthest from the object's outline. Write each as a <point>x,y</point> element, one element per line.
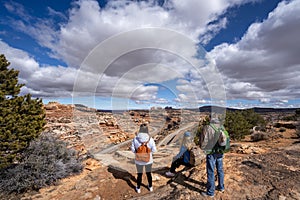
<point>21,117</point>
<point>236,125</point>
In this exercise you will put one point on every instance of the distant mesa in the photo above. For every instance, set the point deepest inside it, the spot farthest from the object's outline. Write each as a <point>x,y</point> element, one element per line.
<point>57,106</point>
<point>256,109</point>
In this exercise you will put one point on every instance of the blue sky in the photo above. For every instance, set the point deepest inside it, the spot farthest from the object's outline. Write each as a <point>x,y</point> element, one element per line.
<point>190,53</point>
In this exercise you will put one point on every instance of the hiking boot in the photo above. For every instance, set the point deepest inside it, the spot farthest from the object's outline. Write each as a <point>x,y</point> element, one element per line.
<point>170,174</point>
<point>138,190</point>
<point>204,194</point>
<point>150,189</point>
<point>220,190</point>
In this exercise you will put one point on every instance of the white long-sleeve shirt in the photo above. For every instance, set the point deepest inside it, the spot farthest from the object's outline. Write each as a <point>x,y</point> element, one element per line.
<point>137,141</point>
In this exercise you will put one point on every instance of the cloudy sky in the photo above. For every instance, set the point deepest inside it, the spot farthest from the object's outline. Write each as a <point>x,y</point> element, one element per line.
<point>139,54</point>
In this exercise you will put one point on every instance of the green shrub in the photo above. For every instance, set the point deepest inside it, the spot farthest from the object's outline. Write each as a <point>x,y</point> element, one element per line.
<point>282,129</point>
<point>293,117</point>
<point>46,160</point>
<point>297,113</point>
<point>238,123</point>
<point>290,118</point>
<point>253,118</point>
<point>277,125</point>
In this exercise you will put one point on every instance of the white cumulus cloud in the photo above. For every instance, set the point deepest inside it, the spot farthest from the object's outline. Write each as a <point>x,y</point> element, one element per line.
<point>265,63</point>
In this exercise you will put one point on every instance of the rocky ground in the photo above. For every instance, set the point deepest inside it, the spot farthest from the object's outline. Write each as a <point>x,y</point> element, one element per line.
<point>257,171</point>
<point>267,169</point>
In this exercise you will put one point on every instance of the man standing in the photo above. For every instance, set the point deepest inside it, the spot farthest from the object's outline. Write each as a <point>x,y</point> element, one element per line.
<point>214,158</point>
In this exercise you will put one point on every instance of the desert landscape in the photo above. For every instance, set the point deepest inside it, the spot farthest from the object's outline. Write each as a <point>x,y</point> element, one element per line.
<point>79,77</point>
<point>265,169</point>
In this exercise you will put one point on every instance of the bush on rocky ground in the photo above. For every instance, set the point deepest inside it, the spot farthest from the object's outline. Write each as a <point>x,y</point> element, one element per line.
<point>46,160</point>
<point>282,129</point>
<point>298,129</point>
<point>238,124</point>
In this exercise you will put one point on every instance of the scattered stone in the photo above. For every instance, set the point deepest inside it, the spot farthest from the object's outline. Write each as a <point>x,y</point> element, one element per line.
<point>258,135</point>
<point>97,197</point>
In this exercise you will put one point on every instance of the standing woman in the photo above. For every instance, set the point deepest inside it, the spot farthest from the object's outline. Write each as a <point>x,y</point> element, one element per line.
<point>143,138</point>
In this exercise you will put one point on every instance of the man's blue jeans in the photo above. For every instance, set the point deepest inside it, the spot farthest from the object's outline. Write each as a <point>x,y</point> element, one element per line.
<point>213,160</point>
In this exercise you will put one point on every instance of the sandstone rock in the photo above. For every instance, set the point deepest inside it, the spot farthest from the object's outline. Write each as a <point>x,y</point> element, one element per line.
<point>87,195</point>
<point>51,107</point>
<point>281,197</point>
<point>97,197</point>
<point>259,135</point>
<point>247,149</point>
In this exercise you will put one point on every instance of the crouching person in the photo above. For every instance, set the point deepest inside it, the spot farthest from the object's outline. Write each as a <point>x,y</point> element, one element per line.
<point>183,157</point>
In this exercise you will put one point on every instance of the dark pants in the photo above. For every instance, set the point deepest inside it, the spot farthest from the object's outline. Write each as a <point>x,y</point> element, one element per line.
<point>175,164</point>
<point>139,169</point>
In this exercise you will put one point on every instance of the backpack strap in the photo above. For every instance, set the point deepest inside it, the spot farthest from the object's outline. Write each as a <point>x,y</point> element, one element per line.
<point>143,143</point>
<point>214,127</point>
<point>218,129</point>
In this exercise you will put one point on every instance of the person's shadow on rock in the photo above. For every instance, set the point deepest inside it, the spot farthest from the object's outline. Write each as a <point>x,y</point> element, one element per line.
<point>187,182</point>
<point>122,174</point>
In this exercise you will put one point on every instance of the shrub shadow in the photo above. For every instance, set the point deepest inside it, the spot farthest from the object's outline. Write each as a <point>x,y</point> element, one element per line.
<point>252,164</point>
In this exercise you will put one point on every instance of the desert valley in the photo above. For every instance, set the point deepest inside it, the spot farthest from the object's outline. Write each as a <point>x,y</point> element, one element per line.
<point>264,169</point>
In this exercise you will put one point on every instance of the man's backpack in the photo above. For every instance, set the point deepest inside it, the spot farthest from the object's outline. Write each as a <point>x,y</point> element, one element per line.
<point>196,156</point>
<point>143,152</point>
<point>223,143</point>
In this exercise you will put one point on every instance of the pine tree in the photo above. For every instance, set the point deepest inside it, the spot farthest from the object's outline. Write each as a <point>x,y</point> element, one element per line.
<point>21,118</point>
